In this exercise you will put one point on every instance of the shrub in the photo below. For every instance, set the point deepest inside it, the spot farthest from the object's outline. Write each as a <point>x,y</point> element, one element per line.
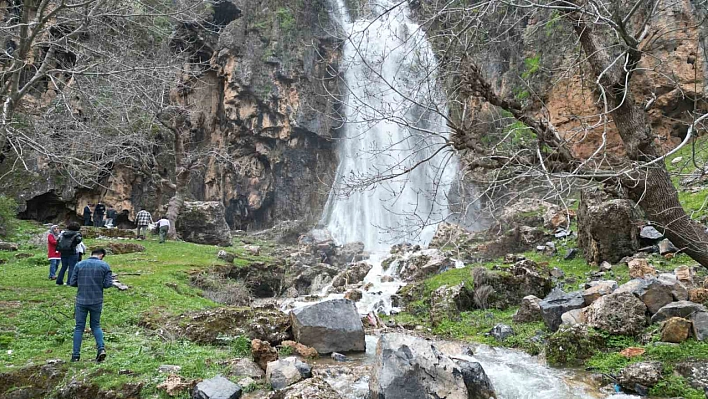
<point>8,216</point>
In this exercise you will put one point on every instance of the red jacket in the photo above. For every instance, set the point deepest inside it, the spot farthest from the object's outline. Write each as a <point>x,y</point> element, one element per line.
<point>52,252</point>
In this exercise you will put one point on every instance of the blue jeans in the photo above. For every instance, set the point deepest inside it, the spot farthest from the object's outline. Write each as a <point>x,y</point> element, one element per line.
<point>67,262</point>
<point>53,264</point>
<point>81,312</point>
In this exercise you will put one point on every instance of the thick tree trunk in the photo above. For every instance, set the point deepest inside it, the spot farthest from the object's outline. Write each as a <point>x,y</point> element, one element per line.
<point>176,203</point>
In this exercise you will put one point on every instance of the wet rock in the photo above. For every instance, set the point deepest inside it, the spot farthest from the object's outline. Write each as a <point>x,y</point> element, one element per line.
<point>675,329</point>
<point>216,388</point>
<point>204,223</point>
<point>618,313</point>
<point>312,388</point>
<point>338,357</point>
<point>666,247</point>
<point>216,326</point>
<point>638,377</point>
<point>606,227</point>
<point>638,268</point>
<point>330,326</point>
<point>412,368</point>
<point>557,303</point>
<point>698,295</point>
<point>300,349</point>
<point>354,274</point>
<point>291,293</point>
<point>9,246</point>
<point>573,317</point>
<point>249,368</point>
<point>695,372</point>
<point>683,309</point>
<point>529,311</point>
<point>650,233</point>
<point>285,372</point>
<point>571,345</point>
<point>263,353</point>
<point>353,295</point>
<point>446,303</point>
<point>500,332</point>
<point>349,253</point>
<point>226,256</point>
<point>700,326</point>
<point>387,279</point>
<point>598,289</point>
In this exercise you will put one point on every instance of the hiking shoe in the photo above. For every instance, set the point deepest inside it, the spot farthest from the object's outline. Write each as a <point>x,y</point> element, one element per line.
<point>101,355</point>
<point>75,358</point>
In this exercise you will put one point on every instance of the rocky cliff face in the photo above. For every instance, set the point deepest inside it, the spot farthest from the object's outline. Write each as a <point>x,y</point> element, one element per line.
<point>260,96</point>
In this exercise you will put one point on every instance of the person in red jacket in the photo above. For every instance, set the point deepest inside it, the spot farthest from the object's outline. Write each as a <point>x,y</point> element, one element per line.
<point>52,253</point>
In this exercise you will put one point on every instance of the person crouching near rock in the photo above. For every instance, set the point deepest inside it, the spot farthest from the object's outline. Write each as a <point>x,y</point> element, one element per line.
<point>91,277</point>
<point>163,227</point>
<point>52,253</point>
<point>67,242</point>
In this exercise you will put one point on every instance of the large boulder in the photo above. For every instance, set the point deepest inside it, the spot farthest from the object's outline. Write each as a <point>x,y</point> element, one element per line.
<point>529,311</point>
<point>528,212</point>
<point>607,228</point>
<point>523,278</point>
<point>685,309</point>
<point>655,293</point>
<point>216,388</point>
<point>619,313</point>
<point>557,303</point>
<point>424,263</point>
<point>311,388</point>
<point>204,223</point>
<point>572,344</point>
<point>285,372</point>
<point>695,372</point>
<point>330,326</point>
<point>446,303</point>
<point>638,377</point>
<point>408,367</point>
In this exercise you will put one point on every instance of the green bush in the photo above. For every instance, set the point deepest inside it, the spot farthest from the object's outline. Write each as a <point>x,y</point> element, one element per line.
<point>8,216</point>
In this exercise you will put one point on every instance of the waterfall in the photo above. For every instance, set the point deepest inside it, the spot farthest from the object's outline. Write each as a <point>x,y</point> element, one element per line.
<point>394,120</point>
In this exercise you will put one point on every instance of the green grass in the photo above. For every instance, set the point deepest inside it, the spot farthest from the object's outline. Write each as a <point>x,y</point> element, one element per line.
<point>36,316</point>
<point>695,202</point>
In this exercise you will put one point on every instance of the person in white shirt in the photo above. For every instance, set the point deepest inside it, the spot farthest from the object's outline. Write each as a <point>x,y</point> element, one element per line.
<point>163,226</point>
<point>80,250</point>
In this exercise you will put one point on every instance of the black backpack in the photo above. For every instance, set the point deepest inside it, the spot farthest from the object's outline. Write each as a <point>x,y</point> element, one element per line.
<point>68,244</point>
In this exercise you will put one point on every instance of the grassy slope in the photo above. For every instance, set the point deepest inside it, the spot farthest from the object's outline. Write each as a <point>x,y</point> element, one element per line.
<point>36,316</point>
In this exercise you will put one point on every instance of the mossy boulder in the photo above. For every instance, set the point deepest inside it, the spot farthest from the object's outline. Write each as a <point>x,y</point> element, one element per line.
<point>572,345</point>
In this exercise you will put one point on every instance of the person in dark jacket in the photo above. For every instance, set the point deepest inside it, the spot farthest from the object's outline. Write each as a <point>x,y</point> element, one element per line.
<point>98,212</point>
<point>87,215</point>
<point>66,245</point>
<point>91,277</point>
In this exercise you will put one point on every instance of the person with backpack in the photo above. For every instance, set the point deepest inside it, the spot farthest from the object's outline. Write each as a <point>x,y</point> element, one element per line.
<point>67,242</point>
<point>52,253</point>
<point>98,213</point>
<point>87,215</point>
<point>91,277</point>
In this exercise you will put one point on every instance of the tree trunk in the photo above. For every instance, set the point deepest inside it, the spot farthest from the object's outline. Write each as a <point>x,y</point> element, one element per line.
<point>177,201</point>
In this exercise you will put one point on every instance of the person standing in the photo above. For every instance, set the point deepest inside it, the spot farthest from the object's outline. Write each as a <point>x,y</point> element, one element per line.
<point>81,251</point>
<point>111,216</point>
<point>91,277</point>
<point>87,215</point>
<point>98,212</point>
<point>144,219</point>
<point>66,245</point>
<point>163,226</point>
<point>52,253</point>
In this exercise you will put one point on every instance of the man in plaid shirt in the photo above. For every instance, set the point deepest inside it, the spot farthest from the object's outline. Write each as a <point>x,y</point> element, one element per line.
<point>143,218</point>
<point>91,276</point>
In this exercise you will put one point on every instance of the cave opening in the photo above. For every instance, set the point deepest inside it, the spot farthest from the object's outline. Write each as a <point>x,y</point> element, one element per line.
<point>224,12</point>
<point>48,208</point>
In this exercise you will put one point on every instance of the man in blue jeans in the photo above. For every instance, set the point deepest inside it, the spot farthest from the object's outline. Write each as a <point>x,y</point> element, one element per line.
<point>91,276</point>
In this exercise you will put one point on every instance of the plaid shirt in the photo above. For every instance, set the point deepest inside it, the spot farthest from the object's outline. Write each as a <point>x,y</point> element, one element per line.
<point>91,276</point>
<point>144,218</point>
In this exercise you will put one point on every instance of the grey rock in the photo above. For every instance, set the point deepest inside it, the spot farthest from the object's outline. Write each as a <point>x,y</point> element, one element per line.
<point>639,376</point>
<point>700,326</point>
<point>618,313</point>
<point>285,372</point>
<point>216,388</point>
<point>684,309</point>
<point>447,303</point>
<point>9,246</point>
<point>557,303</point>
<point>654,292</point>
<point>338,357</point>
<point>570,254</point>
<point>500,332</point>
<point>354,274</point>
<point>666,247</point>
<point>247,368</point>
<point>598,289</point>
<point>695,372</point>
<point>204,222</point>
<point>330,326</point>
<point>529,311</point>
<point>605,266</point>
<point>573,317</point>
<point>650,233</point>
<point>408,367</point>
<point>312,388</point>
<point>562,233</point>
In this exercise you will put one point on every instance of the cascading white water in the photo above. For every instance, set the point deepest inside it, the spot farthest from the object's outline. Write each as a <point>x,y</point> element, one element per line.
<point>394,120</point>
